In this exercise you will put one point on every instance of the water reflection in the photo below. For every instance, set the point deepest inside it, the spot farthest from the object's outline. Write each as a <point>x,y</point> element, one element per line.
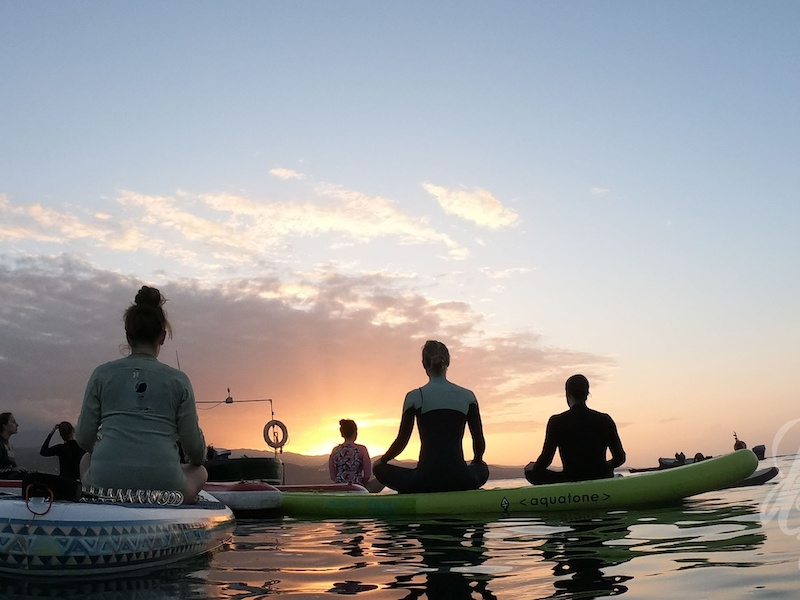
<point>450,555</point>
<point>581,554</point>
<point>694,535</point>
<point>185,580</point>
<point>571,556</point>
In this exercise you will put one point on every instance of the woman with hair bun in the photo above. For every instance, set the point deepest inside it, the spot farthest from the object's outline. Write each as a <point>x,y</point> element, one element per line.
<point>137,412</point>
<point>349,462</point>
<point>442,410</point>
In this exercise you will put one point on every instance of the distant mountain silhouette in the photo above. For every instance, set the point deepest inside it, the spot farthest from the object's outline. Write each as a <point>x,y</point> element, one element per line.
<point>299,468</point>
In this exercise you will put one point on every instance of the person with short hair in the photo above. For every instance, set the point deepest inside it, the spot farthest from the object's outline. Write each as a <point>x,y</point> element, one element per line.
<point>582,436</point>
<point>69,453</point>
<point>441,410</point>
<point>137,411</point>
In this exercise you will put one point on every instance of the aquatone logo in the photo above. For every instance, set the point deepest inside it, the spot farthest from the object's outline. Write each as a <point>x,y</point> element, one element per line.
<point>560,500</point>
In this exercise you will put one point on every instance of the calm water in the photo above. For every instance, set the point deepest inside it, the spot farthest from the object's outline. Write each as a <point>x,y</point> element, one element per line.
<point>739,543</point>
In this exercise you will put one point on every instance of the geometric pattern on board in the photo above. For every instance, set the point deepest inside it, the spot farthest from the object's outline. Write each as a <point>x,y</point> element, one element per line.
<point>80,545</point>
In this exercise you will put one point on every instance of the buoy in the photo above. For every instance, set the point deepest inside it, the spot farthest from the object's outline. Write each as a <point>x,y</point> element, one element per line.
<point>275,441</point>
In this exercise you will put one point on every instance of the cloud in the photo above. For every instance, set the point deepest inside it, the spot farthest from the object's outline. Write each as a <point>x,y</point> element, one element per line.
<point>286,174</point>
<point>212,234</point>
<point>600,191</point>
<point>325,346</point>
<point>478,206</point>
<point>372,216</point>
<point>43,224</point>
<point>505,273</point>
<point>324,337</point>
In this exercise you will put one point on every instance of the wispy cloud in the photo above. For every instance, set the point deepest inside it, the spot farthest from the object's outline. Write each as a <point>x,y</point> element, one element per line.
<point>216,232</point>
<point>226,263</point>
<point>43,224</point>
<point>600,191</point>
<point>478,206</point>
<point>286,174</point>
<point>505,273</point>
<point>324,346</point>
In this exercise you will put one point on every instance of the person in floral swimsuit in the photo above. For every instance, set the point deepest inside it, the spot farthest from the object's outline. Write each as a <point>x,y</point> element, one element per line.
<point>349,462</point>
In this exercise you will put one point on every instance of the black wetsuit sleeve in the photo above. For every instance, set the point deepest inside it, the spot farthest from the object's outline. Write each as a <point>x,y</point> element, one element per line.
<point>403,435</point>
<point>615,445</point>
<point>549,448</point>
<point>476,431</point>
<point>46,450</point>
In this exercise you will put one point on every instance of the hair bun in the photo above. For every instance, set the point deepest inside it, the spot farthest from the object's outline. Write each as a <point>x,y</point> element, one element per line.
<point>148,296</point>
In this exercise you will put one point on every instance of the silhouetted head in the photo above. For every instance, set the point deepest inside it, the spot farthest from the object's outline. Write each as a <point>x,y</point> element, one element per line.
<point>435,357</point>
<point>145,319</point>
<point>65,430</point>
<point>348,428</point>
<point>577,388</point>
<point>8,425</point>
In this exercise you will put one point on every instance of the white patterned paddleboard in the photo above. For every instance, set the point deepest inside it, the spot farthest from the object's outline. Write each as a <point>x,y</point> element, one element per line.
<point>41,538</point>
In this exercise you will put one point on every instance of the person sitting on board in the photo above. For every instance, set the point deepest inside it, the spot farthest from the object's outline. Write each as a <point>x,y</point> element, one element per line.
<point>142,409</point>
<point>8,460</point>
<point>442,410</point>
<point>69,453</point>
<point>581,436</point>
<point>349,462</point>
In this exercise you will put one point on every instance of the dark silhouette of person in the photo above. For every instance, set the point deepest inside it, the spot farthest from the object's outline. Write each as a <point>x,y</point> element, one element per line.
<point>441,410</point>
<point>582,436</point>
<point>69,453</point>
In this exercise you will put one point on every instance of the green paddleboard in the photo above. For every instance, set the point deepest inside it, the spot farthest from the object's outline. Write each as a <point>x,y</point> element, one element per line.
<point>646,489</point>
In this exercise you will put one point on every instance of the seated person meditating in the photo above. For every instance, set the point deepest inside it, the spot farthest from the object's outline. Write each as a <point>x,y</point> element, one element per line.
<point>349,462</point>
<point>582,436</point>
<point>69,453</point>
<point>8,459</point>
<point>144,412</point>
<point>441,410</point>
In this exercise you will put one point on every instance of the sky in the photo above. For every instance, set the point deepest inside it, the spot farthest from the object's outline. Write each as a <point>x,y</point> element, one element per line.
<point>606,188</point>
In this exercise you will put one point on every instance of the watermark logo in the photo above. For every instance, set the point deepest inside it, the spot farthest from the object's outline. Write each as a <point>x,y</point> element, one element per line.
<point>782,503</point>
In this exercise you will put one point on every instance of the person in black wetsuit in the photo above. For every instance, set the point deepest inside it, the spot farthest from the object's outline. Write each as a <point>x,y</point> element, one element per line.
<point>442,410</point>
<point>582,436</point>
<point>69,453</point>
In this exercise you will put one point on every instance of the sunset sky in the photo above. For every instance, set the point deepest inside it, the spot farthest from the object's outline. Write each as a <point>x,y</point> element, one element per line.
<point>606,188</point>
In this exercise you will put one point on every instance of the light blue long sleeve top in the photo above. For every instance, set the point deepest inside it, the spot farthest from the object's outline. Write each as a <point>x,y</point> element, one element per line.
<point>135,411</point>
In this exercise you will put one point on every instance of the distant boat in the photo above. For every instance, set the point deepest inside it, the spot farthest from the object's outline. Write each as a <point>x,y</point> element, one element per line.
<point>221,467</point>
